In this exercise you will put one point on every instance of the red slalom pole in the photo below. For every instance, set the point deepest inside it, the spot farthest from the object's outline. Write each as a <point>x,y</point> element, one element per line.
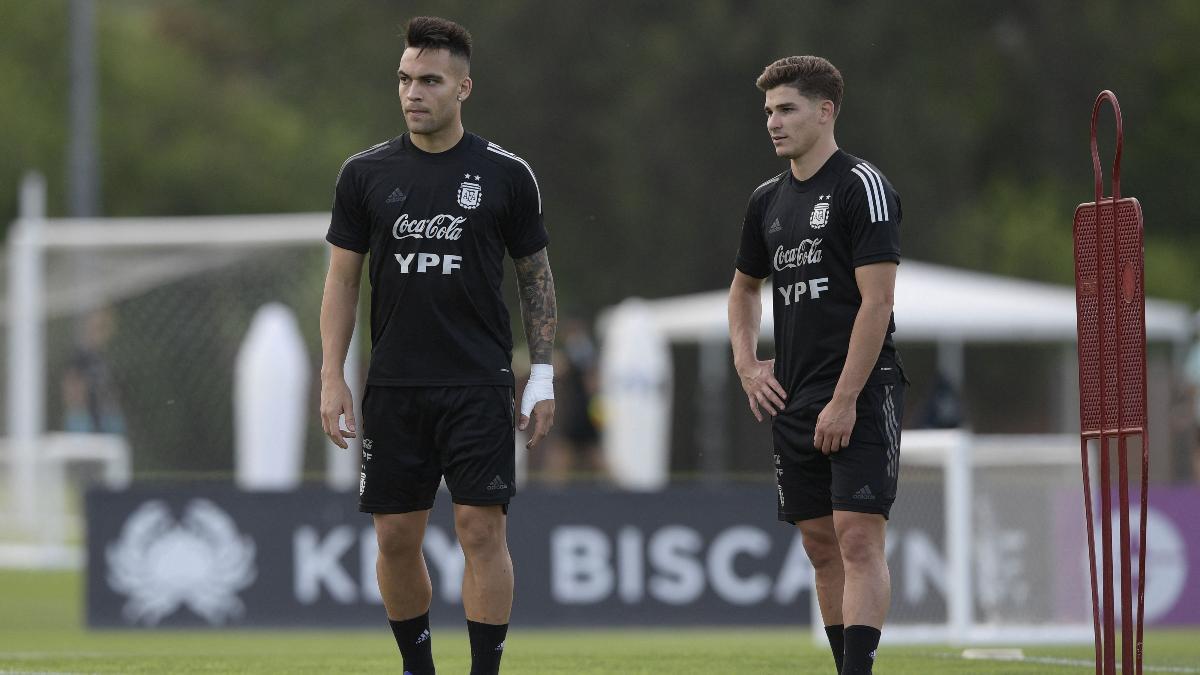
<point>1111,321</point>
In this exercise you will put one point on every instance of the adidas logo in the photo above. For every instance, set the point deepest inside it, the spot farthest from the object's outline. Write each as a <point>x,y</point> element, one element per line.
<point>872,654</point>
<point>423,636</point>
<point>864,493</point>
<point>396,196</point>
<point>775,227</point>
<point>500,647</point>
<point>496,484</point>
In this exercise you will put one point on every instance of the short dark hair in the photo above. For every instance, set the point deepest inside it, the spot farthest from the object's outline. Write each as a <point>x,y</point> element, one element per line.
<point>432,32</point>
<point>812,76</point>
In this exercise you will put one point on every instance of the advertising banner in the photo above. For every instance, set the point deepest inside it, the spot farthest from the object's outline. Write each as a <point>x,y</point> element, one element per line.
<point>202,555</point>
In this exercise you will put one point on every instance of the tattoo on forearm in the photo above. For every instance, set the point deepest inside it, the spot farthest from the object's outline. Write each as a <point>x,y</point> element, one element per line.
<point>539,311</point>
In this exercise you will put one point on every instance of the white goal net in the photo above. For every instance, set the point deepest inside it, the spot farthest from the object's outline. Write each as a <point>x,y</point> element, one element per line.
<point>986,543</point>
<point>122,337</point>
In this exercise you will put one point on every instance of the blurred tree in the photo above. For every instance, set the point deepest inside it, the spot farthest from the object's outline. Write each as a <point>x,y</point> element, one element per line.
<point>33,81</point>
<point>641,119</point>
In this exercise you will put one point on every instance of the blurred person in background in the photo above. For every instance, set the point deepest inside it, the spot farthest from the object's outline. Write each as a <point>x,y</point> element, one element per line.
<point>572,450</point>
<point>943,407</point>
<point>89,394</point>
<point>581,383</point>
<point>827,231</point>
<point>438,208</point>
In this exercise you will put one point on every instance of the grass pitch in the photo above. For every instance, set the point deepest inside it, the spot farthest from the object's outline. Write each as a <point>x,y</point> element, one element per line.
<point>41,632</point>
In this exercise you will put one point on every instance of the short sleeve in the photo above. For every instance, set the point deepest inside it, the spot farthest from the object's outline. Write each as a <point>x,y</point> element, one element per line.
<point>523,230</point>
<point>752,256</point>
<point>349,227</point>
<point>873,216</point>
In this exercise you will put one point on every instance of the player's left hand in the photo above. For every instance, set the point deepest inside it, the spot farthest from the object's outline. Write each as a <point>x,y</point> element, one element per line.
<point>834,425</point>
<point>543,420</point>
<point>537,401</point>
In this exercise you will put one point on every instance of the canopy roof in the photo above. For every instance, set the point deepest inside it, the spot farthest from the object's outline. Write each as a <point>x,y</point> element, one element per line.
<point>935,303</point>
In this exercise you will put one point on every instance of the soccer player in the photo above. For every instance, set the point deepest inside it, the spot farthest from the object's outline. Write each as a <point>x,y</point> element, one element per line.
<point>827,233</point>
<point>437,208</point>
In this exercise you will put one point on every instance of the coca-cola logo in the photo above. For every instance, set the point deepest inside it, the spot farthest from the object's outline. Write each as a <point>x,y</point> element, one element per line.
<point>444,226</point>
<point>809,251</point>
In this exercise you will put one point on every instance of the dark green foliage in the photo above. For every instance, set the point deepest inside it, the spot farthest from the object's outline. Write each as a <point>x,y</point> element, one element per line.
<point>642,120</point>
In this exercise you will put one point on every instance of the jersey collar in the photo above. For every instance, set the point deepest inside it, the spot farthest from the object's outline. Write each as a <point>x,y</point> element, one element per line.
<point>818,177</point>
<point>459,148</point>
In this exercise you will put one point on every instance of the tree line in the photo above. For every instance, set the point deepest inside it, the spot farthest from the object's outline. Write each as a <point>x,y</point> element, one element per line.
<point>641,119</point>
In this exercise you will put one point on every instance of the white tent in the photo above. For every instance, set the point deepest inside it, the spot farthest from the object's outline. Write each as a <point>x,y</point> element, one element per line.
<point>938,303</point>
<point>933,304</point>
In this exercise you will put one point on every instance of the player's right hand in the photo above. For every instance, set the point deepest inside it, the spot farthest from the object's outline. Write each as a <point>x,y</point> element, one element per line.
<point>336,400</point>
<point>762,389</point>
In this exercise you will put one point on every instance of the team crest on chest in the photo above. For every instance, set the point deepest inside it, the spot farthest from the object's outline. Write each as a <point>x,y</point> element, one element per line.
<point>820,213</point>
<point>470,193</point>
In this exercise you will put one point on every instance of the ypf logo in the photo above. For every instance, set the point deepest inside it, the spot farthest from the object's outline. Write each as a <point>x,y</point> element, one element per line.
<point>423,262</point>
<point>161,564</point>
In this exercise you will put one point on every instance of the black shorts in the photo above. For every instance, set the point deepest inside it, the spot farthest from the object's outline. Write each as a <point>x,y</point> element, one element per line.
<point>413,436</point>
<point>860,477</point>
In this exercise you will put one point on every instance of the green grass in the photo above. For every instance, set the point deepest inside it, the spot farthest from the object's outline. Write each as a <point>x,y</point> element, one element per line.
<point>40,631</point>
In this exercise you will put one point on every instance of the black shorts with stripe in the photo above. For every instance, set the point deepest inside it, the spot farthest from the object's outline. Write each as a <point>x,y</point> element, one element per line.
<point>862,476</point>
<point>413,436</point>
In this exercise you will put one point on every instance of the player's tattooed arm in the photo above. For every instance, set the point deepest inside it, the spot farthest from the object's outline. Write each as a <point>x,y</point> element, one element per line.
<point>539,311</point>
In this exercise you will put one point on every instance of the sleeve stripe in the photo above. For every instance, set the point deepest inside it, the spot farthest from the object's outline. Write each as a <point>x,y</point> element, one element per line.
<point>876,193</point>
<point>879,186</point>
<point>351,158</point>
<point>767,182</point>
<point>501,151</point>
<point>870,188</point>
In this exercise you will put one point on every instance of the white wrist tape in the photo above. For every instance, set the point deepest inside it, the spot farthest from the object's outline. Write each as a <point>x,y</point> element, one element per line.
<point>540,387</point>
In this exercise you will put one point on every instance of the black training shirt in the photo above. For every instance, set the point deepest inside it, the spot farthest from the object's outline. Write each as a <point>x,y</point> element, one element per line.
<point>437,227</point>
<point>810,236</point>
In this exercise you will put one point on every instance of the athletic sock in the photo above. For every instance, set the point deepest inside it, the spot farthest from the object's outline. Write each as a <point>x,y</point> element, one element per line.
<point>861,643</point>
<point>412,637</point>
<point>487,646</point>
<point>837,643</point>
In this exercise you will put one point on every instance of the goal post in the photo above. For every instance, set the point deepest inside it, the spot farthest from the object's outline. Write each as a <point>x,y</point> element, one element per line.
<point>987,525</point>
<point>184,290</point>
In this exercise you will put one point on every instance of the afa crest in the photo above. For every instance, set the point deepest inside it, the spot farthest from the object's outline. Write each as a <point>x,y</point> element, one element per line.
<point>820,216</point>
<point>470,194</point>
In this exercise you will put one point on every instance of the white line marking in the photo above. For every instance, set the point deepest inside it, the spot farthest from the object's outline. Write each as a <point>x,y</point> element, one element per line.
<point>1079,663</point>
<point>43,672</point>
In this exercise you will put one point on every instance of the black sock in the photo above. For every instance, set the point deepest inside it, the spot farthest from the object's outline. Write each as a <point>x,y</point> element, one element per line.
<point>861,642</point>
<point>837,643</point>
<point>487,646</point>
<point>412,637</point>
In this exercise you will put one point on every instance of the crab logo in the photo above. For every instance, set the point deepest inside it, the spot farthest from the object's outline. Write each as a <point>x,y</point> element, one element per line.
<point>201,561</point>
